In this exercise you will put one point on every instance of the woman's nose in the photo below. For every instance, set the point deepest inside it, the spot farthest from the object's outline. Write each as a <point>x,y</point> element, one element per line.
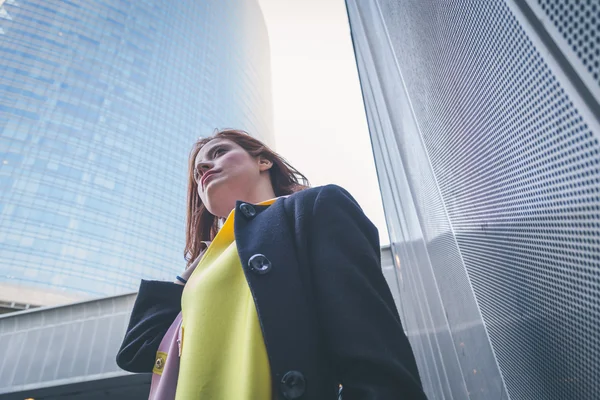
<point>205,166</point>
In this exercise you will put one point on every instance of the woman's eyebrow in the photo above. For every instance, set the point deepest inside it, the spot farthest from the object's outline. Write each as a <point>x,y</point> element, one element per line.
<point>216,147</point>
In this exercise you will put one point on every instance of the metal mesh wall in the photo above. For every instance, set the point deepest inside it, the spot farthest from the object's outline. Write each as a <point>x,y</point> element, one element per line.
<point>577,22</point>
<point>488,160</point>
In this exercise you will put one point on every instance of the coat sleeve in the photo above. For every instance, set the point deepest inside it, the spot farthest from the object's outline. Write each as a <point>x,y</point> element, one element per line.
<point>156,307</point>
<point>369,351</point>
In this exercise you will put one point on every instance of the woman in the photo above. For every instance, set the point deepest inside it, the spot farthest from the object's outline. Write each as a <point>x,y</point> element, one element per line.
<point>288,301</point>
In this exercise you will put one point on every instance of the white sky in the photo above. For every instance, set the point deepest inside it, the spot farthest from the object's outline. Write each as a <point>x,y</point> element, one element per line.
<point>320,123</point>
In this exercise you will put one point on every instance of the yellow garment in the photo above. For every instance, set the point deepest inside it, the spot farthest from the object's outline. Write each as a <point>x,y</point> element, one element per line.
<point>223,354</point>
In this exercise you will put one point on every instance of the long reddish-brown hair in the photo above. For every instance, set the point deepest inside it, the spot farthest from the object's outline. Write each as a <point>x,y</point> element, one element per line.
<point>201,225</point>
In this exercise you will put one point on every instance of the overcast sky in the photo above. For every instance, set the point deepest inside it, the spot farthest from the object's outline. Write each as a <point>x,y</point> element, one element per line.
<point>320,123</point>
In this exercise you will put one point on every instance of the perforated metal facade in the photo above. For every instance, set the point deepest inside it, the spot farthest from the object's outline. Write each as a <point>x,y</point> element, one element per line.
<point>100,102</point>
<point>485,134</point>
<point>575,28</point>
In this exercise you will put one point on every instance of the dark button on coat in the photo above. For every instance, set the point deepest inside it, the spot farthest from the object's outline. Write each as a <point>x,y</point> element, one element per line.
<point>247,209</point>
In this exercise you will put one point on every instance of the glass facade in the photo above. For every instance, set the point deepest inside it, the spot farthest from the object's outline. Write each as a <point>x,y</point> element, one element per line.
<point>100,102</point>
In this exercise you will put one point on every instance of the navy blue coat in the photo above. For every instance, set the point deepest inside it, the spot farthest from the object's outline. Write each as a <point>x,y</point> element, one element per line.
<point>325,309</point>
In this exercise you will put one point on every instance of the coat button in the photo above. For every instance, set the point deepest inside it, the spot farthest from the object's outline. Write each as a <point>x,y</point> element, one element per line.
<point>259,264</point>
<point>248,210</point>
<point>293,385</point>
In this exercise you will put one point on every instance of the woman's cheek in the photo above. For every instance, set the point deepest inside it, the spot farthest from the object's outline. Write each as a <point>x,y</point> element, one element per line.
<point>233,162</point>
<point>235,157</point>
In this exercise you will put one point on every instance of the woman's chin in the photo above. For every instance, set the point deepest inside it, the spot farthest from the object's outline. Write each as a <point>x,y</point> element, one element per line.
<point>212,188</point>
<point>219,201</point>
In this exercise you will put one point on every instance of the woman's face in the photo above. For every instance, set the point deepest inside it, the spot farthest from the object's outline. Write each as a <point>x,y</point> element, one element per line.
<point>225,173</point>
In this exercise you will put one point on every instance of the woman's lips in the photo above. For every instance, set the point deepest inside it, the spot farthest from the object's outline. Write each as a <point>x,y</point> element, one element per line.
<point>209,175</point>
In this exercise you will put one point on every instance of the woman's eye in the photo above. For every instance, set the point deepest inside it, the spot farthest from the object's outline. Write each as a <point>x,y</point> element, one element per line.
<point>219,151</point>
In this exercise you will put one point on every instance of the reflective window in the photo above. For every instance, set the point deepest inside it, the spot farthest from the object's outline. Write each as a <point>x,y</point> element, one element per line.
<point>100,103</point>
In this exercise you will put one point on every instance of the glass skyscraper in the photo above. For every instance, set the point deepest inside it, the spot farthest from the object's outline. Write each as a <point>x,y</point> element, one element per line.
<point>100,102</point>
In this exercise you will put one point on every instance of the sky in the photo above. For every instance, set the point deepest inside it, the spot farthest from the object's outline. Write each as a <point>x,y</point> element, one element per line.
<point>319,118</point>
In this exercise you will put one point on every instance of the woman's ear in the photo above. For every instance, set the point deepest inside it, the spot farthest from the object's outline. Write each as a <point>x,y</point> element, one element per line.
<point>264,164</point>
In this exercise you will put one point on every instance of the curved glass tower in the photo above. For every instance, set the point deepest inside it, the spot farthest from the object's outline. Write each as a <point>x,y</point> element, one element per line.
<point>100,102</point>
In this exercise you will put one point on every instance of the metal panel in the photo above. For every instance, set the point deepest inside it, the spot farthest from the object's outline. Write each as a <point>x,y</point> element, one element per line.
<point>575,28</point>
<point>63,345</point>
<point>488,158</point>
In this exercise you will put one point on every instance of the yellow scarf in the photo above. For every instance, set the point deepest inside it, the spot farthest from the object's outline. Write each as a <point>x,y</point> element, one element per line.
<point>223,354</point>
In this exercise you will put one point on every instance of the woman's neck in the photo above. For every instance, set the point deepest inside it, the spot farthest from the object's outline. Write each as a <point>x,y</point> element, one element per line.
<point>261,192</point>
